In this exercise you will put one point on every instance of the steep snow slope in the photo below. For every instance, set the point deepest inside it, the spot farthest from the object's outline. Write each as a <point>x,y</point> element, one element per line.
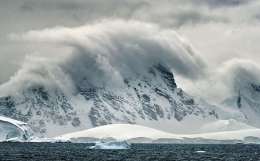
<point>138,134</point>
<point>10,128</point>
<point>152,99</point>
<point>247,102</point>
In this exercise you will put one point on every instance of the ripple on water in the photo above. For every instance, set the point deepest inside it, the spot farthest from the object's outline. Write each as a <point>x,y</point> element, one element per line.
<point>69,151</point>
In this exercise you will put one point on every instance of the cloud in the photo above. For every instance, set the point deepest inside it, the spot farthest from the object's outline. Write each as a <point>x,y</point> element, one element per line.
<point>221,3</point>
<point>78,5</point>
<point>107,52</point>
<point>193,17</point>
<point>28,5</point>
<point>225,82</point>
<point>219,37</point>
<point>37,71</point>
<point>257,16</point>
<point>239,73</point>
<point>86,10</point>
<point>167,13</point>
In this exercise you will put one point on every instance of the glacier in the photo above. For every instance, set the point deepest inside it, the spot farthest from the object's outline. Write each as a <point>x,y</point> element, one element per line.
<point>14,130</point>
<point>142,134</point>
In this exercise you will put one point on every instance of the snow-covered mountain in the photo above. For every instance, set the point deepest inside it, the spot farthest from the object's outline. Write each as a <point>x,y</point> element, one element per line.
<point>152,99</point>
<point>120,72</point>
<point>247,103</point>
<point>242,106</point>
<point>10,128</point>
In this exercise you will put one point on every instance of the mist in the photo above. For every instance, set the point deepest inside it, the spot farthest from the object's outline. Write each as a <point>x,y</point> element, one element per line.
<point>224,82</point>
<point>107,52</point>
<point>104,54</point>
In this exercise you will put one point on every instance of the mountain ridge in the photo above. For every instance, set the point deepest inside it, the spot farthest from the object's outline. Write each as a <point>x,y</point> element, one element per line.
<point>147,98</point>
<point>152,100</point>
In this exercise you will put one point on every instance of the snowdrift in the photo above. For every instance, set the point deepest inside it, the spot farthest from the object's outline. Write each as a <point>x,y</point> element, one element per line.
<point>142,134</point>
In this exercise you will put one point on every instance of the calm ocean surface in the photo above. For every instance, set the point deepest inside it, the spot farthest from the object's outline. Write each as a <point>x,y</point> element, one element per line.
<point>72,151</point>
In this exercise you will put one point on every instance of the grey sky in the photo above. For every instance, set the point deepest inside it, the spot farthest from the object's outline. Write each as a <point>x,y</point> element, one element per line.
<point>221,31</point>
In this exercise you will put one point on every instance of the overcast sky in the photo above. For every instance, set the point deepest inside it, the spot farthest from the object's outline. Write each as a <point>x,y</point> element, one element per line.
<point>212,44</point>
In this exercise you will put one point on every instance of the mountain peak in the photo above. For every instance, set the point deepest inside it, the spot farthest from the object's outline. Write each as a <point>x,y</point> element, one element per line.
<point>152,97</point>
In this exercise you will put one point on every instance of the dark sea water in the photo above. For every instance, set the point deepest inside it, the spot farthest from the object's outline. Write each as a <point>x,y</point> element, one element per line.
<point>70,151</point>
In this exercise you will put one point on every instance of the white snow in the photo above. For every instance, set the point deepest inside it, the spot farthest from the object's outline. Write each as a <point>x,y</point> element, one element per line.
<point>15,122</point>
<point>227,135</point>
<point>225,125</point>
<point>111,145</point>
<point>121,132</point>
<point>142,134</point>
<point>50,140</point>
<point>15,139</point>
<point>250,102</point>
<point>17,131</point>
<point>130,107</point>
<point>10,128</point>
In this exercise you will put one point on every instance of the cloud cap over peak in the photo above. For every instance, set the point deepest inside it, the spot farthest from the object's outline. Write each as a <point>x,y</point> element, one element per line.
<point>109,51</point>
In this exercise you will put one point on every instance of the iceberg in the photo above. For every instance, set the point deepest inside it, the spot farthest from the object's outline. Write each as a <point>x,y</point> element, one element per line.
<point>200,151</point>
<point>111,145</point>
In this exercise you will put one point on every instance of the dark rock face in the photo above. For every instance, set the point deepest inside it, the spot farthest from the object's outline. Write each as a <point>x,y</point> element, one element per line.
<point>239,104</point>
<point>151,97</point>
<point>145,105</point>
<point>9,105</point>
<point>38,103</point>
<point>75,122</point>
<point>256,88</point>
<point>213,113</point>
<point>167,76</point>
